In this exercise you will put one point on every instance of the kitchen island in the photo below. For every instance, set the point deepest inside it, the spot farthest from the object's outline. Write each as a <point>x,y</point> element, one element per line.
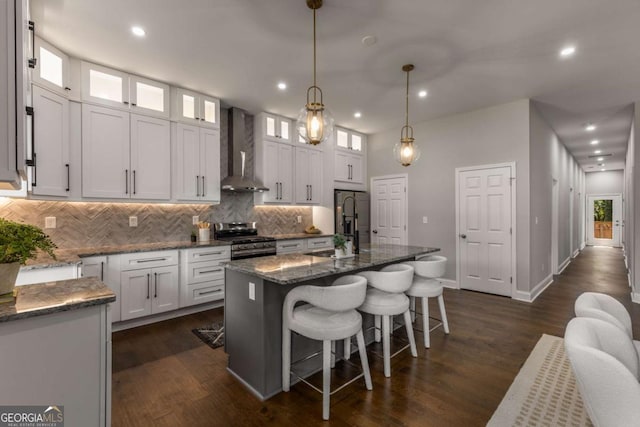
<point>255,289</point>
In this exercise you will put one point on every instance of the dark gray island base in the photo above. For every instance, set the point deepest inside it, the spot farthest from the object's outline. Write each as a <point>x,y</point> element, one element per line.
<point>255,289</point>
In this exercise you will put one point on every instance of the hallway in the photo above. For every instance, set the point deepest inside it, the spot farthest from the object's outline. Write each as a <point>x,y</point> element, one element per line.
<point>164,375</point>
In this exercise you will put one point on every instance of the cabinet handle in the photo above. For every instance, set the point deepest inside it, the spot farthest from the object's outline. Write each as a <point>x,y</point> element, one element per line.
<point>32,61</point>
<point>148,284</point>
<point>32,161</point>
<point>68,177</point>
<point>126,181</point>
<point>197,185</point>
<point>211,271</point>
<point>155,285</point>
<point>208,253</point>
<point>203,192</point>
<point>321,243</point>
<point>101,270</point>
<point>125,102</point>
<point>150,260</point>
<point>209,292</point>
<point>133,104</point>
<point>310,192</point>
<point>134,181</point>
<point>67,88</point>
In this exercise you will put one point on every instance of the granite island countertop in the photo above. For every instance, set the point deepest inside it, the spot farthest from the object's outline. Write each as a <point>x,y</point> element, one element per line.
<point>52,297</point>
<point>292,268</point>
<point>294,236</point>
<point>72,256</point>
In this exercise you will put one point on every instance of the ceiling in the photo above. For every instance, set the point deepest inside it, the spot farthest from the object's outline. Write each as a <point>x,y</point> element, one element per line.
<point>468,54</point>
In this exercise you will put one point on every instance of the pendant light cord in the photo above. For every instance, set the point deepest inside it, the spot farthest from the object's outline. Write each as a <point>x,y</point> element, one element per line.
<point>407,103</point>
<point>314,54</point>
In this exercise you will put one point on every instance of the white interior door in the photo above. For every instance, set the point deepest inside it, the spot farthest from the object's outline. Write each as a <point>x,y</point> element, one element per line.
<point>389,210</point>
<point>484,224</point>
<point>603,219</point>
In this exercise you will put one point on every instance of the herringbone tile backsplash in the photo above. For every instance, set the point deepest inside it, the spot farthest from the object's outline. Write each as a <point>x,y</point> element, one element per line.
<point>90,224</point>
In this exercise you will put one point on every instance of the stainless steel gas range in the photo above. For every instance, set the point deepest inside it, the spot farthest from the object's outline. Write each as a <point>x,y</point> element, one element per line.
<point>245,242</point>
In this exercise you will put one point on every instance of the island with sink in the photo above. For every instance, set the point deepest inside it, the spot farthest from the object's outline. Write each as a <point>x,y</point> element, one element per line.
<point>255,289</point>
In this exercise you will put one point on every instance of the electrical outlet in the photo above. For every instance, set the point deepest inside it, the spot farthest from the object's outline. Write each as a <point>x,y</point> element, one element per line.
<point>425,220</point>
<point>50,222</point>
<point>133,221</point>
<point>195,220</point>
<point>299,219</point>
<point>252,291</point>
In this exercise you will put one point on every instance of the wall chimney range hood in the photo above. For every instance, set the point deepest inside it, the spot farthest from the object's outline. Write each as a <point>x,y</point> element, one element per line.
<point>237,182</point>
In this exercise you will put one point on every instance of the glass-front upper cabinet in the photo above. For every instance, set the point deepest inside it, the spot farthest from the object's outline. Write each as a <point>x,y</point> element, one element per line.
<point>52,67</point>
<point>276,128</point>
<point>349,140</point>
<point>196,108</point>
<point>105,86</point>
<point>149,97</point>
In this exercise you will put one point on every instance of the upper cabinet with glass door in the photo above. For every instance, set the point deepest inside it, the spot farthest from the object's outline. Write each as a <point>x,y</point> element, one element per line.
<point>195,108</point>
<point>276,128</point>
<point>349,140</point>
<point>113,88</point>
<point>52,68</point>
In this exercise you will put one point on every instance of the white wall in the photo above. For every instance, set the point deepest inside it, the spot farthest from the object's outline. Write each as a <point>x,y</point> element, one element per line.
<point>608,182</point>
<point>491,135</point>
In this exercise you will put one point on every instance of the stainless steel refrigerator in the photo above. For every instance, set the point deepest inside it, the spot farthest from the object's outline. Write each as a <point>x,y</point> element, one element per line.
<point>346,205</point>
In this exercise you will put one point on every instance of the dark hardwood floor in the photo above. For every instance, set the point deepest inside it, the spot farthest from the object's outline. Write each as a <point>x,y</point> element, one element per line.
<point>164,375</point>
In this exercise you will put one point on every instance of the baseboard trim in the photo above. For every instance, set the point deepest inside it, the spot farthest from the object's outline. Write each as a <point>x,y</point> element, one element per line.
<point>147,320</point>
<point>564,265</point>
<point>535,292</point>
<point>575,253</point>
<point>450,283</point>
<point>635,297</point>
<point>582,246</point>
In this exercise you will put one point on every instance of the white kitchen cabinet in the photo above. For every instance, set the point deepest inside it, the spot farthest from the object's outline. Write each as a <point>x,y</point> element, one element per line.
<point>290,246</point>
<point>349,140</point>
<point>202,274</point>
<point>275,128</point>
<point>124,156</point>
<point>150,158</point>
<point>29,276</point>
<point>196,163</point>
<point>52,68</point>
<point>51,171</point>
<point>274,166</point>
<point>105,86</point>
<point>320,243</point>
<point>107,269</point>
<point>149,290</point>
<point>14,91</point>
<point>149,97</point>
<point>195,108</point>
<point>308,172</point>
<point>348,167</point>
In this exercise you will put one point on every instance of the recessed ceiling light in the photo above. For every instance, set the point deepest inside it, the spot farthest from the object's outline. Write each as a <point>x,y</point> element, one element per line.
<point>567,51</point>
<point>369,40</point>
<point>422,94</point>
<point>602,170</point>
<point>138,31</point>
<point>357,114</point>
<point>597,152</point>
<point>595,142</point>
<point>282,85</point>
<point>600,159</point>
<point>590,127</point>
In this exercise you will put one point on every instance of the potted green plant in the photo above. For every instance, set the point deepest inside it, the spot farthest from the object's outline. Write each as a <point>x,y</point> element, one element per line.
<point>342,246</point>
<point>18,243</point>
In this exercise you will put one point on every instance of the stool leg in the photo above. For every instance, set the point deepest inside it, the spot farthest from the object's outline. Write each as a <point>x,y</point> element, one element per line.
<point>347,348</point>
<point>286,358</point>
<point>443,314</point>
<point>386,350</point>
<point>425,321</point>
<point>362,349</point>
<point>376,331</point>
<point>412,307</point>
<point>333,354</point>
<point>409,326</point>
<point>326,378</point>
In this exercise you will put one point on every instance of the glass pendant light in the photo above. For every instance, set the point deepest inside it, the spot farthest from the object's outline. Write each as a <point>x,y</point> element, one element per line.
<point>406,151</point>
<point>315,122</point>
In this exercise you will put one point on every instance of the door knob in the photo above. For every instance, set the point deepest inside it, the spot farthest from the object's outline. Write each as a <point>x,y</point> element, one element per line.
<point>374,231</point>
<point>464,236</point>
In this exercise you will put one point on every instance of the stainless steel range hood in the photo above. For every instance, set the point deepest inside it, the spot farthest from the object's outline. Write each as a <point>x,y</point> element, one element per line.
<point>237,181</point>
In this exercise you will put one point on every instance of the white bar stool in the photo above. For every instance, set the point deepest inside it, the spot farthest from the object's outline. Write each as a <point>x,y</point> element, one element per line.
<point>386,298</point>
<point>329,315</point>
<point>426,285</point>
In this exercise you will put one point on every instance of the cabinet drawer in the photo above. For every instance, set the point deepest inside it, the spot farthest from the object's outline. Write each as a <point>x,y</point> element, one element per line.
<point>203,292</point>
<point>134,261</point>
<point>214,253</point>
<point>320,243</point>
<point>204,271</point>
<point>290,246</point>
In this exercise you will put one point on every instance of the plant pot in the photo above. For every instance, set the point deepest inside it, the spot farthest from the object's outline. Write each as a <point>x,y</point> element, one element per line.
<point>8,275</point>
<point>346,252</point>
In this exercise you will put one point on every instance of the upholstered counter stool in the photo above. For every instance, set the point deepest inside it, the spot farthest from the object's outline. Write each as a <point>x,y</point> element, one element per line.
<point>385,299</point>
<point>607,308</point>
<point>426,284</point>
<point>330,314</point>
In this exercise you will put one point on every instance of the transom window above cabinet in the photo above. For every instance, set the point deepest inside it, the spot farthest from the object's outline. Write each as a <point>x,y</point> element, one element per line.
<point>349,140</point>
<point>52,67</point>
<point>106,86</point>
<point>195,108</point>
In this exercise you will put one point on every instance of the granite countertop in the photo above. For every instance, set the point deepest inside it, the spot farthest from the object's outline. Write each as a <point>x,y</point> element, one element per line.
<point>293,268</point>
<point>72,256</point>
<point>297,236</point>
<point>53,297</point>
